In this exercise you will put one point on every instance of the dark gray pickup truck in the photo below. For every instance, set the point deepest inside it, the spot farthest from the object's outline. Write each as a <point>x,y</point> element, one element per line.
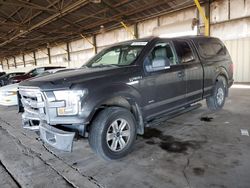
<point>123,89</point>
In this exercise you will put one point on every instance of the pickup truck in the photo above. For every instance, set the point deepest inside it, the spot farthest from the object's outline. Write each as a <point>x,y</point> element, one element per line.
<point>123,89</point>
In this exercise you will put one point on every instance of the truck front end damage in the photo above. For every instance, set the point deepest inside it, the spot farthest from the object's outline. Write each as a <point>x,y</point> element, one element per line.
<point>54,114</point>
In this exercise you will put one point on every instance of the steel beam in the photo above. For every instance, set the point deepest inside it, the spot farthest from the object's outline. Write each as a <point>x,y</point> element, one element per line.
<point>25,5</point>
<point>50,19</point>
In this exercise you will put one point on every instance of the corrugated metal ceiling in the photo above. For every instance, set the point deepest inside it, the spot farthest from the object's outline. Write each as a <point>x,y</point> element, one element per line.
<point>27,25</point>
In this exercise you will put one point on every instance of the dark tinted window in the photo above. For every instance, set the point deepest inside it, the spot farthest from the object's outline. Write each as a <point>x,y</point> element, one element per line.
<point>210,49</point>
<point>184,51</point>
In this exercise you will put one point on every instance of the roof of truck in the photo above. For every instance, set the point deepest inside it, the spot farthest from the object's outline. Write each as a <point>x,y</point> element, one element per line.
<point>148,39</point>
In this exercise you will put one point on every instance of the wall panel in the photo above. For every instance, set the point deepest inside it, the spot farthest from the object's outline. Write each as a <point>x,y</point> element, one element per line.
<point>239,51</point>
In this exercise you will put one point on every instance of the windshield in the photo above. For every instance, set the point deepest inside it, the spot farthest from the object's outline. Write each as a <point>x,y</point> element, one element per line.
<point>116,56</point>
<point>36,71</point>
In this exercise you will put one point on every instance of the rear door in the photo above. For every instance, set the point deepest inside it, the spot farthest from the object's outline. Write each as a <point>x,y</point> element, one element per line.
<point>169,85</point>
<point>193,70</point>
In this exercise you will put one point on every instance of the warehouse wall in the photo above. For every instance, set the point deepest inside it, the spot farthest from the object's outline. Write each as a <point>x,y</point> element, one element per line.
<point>230,21</point>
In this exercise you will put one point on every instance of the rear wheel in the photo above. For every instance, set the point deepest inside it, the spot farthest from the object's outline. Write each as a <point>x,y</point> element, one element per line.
<point>217,100</point>
<point>112,133</point>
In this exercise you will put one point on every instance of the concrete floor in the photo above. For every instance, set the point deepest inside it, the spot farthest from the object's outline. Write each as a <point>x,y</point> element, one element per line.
<point>187,151</point>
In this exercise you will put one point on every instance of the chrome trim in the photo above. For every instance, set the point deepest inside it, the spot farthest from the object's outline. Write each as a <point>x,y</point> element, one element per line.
<point>56,104</point>
<point>34,103</point>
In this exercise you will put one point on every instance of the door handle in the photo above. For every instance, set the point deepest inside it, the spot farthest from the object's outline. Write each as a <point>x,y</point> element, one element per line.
<point>181,74</point>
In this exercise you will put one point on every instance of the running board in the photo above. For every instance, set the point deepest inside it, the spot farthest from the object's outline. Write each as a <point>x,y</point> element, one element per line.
<point>165,117</point>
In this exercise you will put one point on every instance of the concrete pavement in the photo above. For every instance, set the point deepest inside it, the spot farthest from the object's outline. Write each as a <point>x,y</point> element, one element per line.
<point>197,149</point>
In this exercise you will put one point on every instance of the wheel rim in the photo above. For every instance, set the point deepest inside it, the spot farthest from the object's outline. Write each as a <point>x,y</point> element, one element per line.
<point>118,135</point>
<point>220,96</point>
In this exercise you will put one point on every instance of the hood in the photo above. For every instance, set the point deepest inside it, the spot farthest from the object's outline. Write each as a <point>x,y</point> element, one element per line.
<point>12,87</point>
<point>63,80</point>
<point>21,77</point>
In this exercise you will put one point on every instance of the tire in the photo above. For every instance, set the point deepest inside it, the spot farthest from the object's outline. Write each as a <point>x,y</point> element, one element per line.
<point>104,138</point>
<point>217,100</point>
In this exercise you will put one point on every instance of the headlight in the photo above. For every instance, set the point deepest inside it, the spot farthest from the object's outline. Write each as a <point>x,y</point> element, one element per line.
<point>72,99</point>
<point>9,93</point>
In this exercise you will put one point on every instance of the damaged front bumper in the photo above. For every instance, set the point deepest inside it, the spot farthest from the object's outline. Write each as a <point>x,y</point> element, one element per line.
<point>39,114</point>
<point>57,138</point>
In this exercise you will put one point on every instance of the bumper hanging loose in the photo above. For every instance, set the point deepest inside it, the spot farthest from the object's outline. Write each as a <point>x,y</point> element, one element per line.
<point>59,139</point>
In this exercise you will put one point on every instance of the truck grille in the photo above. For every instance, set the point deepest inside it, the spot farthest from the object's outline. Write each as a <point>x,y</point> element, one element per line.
<point>33,102</point>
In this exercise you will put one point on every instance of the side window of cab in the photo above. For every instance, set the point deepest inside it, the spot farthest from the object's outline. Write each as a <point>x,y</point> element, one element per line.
<point>161,57</point>
<point>184,51</point>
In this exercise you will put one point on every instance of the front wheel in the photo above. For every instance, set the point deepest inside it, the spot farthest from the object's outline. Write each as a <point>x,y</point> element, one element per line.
<point>217,100</point>
<point>112,133</point>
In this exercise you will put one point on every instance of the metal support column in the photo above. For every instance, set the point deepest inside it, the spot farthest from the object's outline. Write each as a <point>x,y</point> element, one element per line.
<point>49,55</point>
<point>207,13</point>
<point>136,33</point>
<point>68,53</point>
<point>2,64</point>
<point>24,63</point>
<point>128,29</point>
<point>34,55</point>
<point>8,63</point>
<point>94,44</point>
<point>204,17</point>
<point>15,61</point>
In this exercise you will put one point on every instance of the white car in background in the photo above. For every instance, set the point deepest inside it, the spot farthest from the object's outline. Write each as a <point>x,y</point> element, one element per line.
<point>8,94</point>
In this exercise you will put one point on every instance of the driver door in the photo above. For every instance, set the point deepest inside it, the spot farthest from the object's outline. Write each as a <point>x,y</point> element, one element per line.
<point>169,81</point>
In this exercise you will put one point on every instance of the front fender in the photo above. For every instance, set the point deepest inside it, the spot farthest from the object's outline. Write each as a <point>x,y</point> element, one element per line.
<point>96,97</point>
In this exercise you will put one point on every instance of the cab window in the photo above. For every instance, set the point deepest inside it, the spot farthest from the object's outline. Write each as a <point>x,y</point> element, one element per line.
<point>211,49</point>
<point>184,52</point>
<point>161,57</point>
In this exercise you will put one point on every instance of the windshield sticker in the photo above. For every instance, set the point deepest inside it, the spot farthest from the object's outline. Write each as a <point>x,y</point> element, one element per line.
<point>139,44</point>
